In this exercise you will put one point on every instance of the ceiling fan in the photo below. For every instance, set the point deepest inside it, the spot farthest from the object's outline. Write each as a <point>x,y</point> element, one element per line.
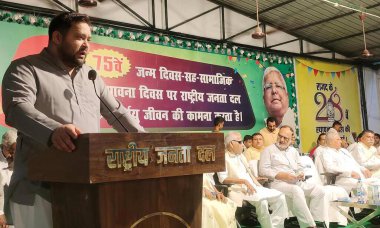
<point>87,3</point>
<point>258,34</point>
<point>365,53</point>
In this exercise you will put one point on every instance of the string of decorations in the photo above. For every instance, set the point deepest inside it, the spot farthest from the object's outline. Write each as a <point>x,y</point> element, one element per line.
<point>317,72</point>
<point>159,39</point>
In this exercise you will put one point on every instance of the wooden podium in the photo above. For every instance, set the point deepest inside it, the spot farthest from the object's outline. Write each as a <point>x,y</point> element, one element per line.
<point>126,180</point>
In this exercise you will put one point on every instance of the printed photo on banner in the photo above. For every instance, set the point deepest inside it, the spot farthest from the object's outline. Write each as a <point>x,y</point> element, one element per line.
<point>180,89</point>
<point>324,97</point>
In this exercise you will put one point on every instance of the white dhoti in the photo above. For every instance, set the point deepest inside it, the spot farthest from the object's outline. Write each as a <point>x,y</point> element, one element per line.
<point>218,214</point>
<point>331,192</point>
<point>263,200</point>
<point>347,183</point>
<point>37,216</point>
<point>296,196</point>
<point>334,193</point>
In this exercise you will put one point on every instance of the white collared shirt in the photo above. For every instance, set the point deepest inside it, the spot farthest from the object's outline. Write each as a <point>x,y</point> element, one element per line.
<point>235,168</point>
<point>273,160</point>
<point>339,161</point>
<point>366,156</point>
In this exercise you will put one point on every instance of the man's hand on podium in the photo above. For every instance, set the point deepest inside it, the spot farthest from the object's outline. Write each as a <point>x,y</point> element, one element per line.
<point>62,137</point>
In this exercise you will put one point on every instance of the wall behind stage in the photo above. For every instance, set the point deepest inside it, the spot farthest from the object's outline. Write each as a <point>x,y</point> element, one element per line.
<point>170,84</point>
<point>327,92</point>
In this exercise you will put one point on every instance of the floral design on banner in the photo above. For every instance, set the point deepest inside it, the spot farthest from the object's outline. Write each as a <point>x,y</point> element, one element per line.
<point>231,50</point>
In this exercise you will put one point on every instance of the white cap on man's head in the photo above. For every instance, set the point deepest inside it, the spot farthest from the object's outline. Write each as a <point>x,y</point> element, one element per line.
<point>332,131</point>
<point>331,134</point>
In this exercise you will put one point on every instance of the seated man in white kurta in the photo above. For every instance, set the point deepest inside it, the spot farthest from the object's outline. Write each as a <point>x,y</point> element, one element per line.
<point>280,162</point>
<point>339,161</point>
<point>366,154</point>
<point>332,192</point>
<point>246,187</point>
<point>217,210</point>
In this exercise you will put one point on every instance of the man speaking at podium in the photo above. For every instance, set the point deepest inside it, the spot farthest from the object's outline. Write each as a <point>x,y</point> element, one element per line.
<point>50,100</point>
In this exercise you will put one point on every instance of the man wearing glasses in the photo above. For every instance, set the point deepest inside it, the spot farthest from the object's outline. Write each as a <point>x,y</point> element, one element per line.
<point>246,188</point>
<point>281,163</point>
<point>276,98</point>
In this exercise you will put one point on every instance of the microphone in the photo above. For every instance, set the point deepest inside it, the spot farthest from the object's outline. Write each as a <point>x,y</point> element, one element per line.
<point>92,76</point>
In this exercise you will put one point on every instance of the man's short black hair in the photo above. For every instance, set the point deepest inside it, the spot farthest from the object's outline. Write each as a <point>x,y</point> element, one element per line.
<point>271,119</point>
<point>218,120</point>
<point>320,135</point>
<point>336,123</point>
<point>247,137</point>
<point>359,136</point>
<point>367,131</point>
<point>63,22</point>
<point>257,133</point>
<point>377,135</point>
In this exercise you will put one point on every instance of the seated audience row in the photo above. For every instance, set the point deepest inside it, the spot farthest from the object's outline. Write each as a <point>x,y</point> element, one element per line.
<point>245,187</point>
<point>270,154</point>
<point>289,193</point>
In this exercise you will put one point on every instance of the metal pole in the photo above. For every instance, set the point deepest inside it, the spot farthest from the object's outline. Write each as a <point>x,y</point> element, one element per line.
<point>363,102</point>
<point>223,27</point>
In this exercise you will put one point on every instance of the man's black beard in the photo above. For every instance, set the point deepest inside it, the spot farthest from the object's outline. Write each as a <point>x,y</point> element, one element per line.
<point>70,60</point>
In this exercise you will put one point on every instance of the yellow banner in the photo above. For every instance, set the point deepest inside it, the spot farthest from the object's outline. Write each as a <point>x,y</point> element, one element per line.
<point>326,92</point>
